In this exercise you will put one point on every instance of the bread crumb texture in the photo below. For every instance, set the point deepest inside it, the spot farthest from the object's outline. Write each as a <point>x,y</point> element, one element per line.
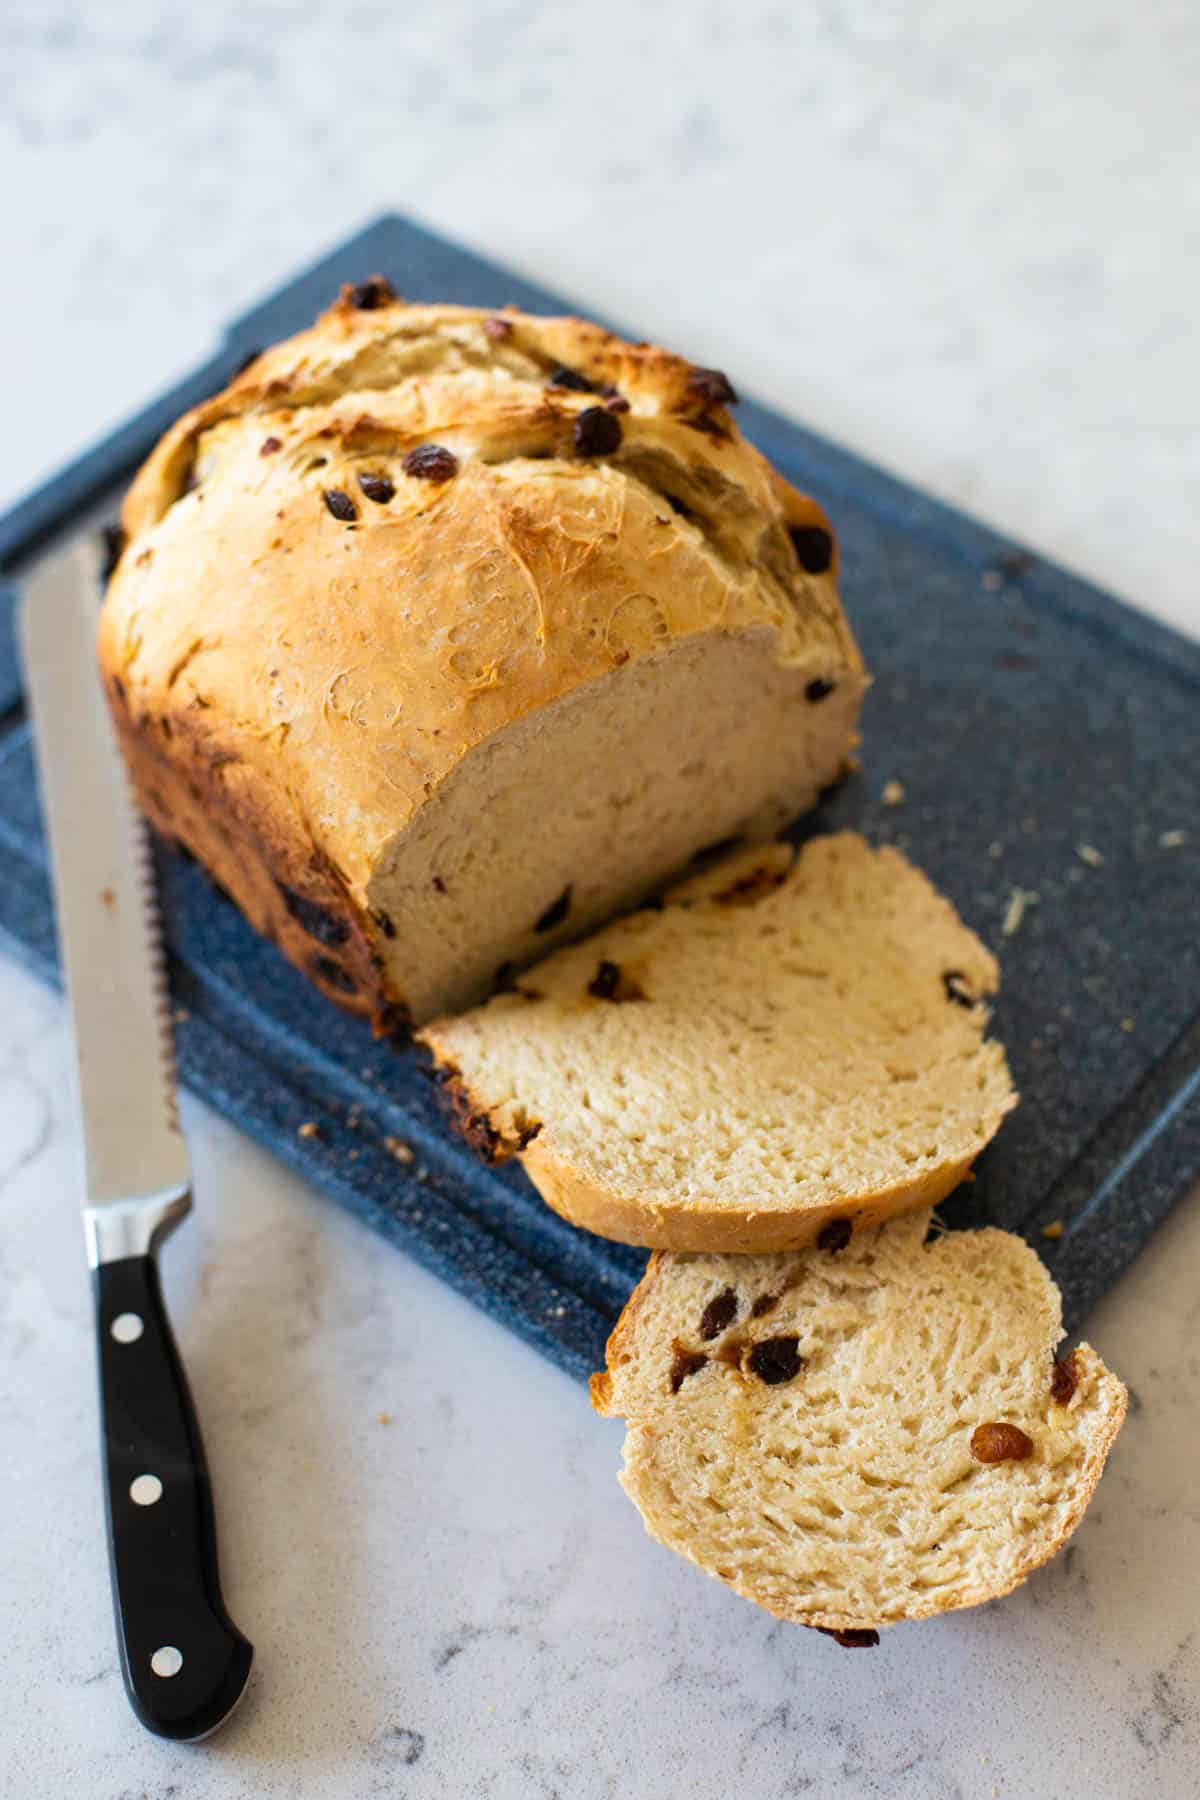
<point>783,1044</point>
<point>801,1425</point>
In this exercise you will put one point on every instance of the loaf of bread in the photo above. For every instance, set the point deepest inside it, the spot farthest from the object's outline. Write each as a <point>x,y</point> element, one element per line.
<point>781,1045</point>
<point>867,1431</point>
<point>441,635</point>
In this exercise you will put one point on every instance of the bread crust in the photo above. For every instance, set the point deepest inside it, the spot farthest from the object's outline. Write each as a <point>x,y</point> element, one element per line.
<point>291,687</point>
<point>666,1222</point>
<point>624,1348</point>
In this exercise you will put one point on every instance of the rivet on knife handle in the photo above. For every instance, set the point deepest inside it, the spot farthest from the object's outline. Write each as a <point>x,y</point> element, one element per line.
<point>185,1663</point>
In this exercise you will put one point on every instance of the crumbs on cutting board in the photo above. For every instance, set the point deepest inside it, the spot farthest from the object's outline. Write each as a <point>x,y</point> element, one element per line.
<point>385,1418</point>
<point>309,1129</point>
<point>1088,853</point>
<point>403,1153</point>
<point>1171,840</point>
<point>1053,1230</point>
<point>1020,900</point>
<point>893,793</point>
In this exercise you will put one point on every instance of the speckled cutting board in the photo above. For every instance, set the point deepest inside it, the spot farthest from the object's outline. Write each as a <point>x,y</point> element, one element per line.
<point>1024,713</point>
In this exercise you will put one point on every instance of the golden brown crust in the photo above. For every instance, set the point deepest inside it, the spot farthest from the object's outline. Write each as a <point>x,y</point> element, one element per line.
<point>308,671</point>
<point>666,1222</point>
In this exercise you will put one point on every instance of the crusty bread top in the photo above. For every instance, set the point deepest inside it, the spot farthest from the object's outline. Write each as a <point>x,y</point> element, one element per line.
<point>808,1426</point>
<point>779,1044</point>
<point>276,618</point>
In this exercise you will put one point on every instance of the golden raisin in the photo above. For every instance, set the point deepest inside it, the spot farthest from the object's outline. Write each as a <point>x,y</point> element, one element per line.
<point>1064,1378</point>
<point>995,1443</point>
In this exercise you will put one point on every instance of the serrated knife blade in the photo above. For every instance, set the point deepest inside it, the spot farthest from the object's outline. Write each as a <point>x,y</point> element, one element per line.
<point>184,1662</point>
<point>135,1156</point>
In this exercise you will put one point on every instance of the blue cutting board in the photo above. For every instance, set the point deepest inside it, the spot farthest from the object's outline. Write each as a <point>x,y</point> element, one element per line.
<point>1024,712</point>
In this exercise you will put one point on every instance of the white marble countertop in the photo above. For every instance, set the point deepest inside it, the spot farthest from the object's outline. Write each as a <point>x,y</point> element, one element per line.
<point>954,235</point>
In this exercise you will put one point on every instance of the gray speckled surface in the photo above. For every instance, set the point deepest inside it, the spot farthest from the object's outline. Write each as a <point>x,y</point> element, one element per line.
<point>952,236</point>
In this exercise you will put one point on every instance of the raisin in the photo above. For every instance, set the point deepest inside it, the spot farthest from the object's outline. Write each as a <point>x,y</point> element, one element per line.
<point>340,504</point>
<point>955,984</point>
<point>854,1639</point>
<point>317,920</point>
<point>776,1360</point>
<point>1064,1378</point>
<point>431,462</point>
<point>556,912</point>
<point>813,546</point>
<point>1000,1443</point>
<point>720,1312</point>
<point>269,446</point>
<point>597,432</point>
<point>617,403</point>
<point>711,386</point>
<point>112,542</point>
<point>562,377</point>
<point>333,975</point>
<point>369,295</point>
<point>687,1362</point>
<point>834,1236</point>
<point>818,689</point>
<point>605,982</point>
<point>377,488</point>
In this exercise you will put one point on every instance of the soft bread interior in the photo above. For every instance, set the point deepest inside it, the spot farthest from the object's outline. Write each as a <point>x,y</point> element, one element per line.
<point>846,1494</point>
<point>775,1046</point>
<point>584,806</point>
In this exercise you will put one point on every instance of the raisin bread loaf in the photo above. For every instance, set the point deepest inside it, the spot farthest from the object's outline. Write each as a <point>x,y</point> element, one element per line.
<point>439,636</point>
<point>870,1430</point>
<point>781,1045</point>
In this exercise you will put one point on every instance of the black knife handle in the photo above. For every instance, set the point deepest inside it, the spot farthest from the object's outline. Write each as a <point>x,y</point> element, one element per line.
<point>184,1661</point>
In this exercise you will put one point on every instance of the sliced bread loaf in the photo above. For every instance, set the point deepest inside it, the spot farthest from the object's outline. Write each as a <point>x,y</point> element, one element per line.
<point>440,636</point>
<point>782,1045</point>
<point>862,1433</point>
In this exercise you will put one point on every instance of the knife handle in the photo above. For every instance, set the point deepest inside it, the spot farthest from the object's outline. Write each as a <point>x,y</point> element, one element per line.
<point>184,1661</point>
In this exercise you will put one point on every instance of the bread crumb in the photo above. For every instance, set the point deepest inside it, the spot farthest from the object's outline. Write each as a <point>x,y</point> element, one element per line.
<point>1171,840</point>
<point>1053,1230</point>
<point>403,1153</point>
<point>1021,898</point>
<point>108,898</point>
<point>1089,854</point>
<point>996,848</point>
<point>385,1418</point>
<point>893,793</point>
<point>1126,1024</point>
<point>182,1015</point>
<point>309,1129</point>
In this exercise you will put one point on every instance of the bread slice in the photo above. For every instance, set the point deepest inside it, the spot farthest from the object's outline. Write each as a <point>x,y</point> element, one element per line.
<point>781,1045</point>
<point>440,636</point>
<point>809,1427</point>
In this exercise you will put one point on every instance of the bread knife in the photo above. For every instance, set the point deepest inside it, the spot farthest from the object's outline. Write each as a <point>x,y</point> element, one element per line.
<point>184,1662</point>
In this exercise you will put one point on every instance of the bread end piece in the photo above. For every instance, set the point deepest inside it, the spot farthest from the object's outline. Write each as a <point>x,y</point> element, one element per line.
<point>845,1492</point>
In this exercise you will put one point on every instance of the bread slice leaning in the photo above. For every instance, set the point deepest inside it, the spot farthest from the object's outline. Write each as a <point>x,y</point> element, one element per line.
<point>782,1045</point>
<point>809,1427</point>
